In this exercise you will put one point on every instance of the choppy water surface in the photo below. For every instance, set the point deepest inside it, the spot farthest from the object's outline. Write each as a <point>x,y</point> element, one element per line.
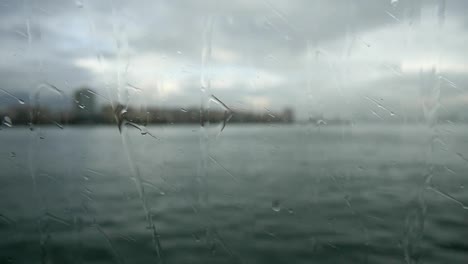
<point>254,194</point>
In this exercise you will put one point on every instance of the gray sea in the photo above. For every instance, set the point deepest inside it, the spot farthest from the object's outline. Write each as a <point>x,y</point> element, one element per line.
<point>250,194</point>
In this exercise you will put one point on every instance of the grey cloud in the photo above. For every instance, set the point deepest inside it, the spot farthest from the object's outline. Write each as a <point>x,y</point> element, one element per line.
<point>260,36</point>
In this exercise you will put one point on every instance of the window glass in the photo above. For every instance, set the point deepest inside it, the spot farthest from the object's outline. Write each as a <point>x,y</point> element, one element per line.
<point>212,131</point>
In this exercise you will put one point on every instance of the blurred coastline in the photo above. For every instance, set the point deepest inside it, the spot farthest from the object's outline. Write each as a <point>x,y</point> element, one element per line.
<point>85,109</point>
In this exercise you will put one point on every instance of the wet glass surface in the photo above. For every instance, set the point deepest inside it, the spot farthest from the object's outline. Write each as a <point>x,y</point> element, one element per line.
<point>233,131</point>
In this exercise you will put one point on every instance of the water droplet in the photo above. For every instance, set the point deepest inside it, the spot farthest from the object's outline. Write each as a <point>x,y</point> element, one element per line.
<point>462,156</point>
<point>58,125</point>
<point>320,122</point>
<point>394,3</point>
<point>393,16</point>
<point>13,154</point>
<point>20,101</point>
<point>135,88</point>
<point>179,52</point>
<point>290,211</point>
<point>197,237</point>
<point>276,206</point>
<point>87,190</point>
<point>7,121</point>
<point>144,131</point>
<point>227,112</point>
<point>269,113</point>
<point>183,110</point>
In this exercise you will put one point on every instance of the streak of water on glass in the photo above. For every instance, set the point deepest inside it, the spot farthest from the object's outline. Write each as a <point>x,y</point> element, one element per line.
<point>448,196</point>
<point>7,121</point>
<point>20,101</point>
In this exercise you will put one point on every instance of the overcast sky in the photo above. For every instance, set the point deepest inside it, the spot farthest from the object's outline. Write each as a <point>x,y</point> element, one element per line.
<point>380,59</point>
